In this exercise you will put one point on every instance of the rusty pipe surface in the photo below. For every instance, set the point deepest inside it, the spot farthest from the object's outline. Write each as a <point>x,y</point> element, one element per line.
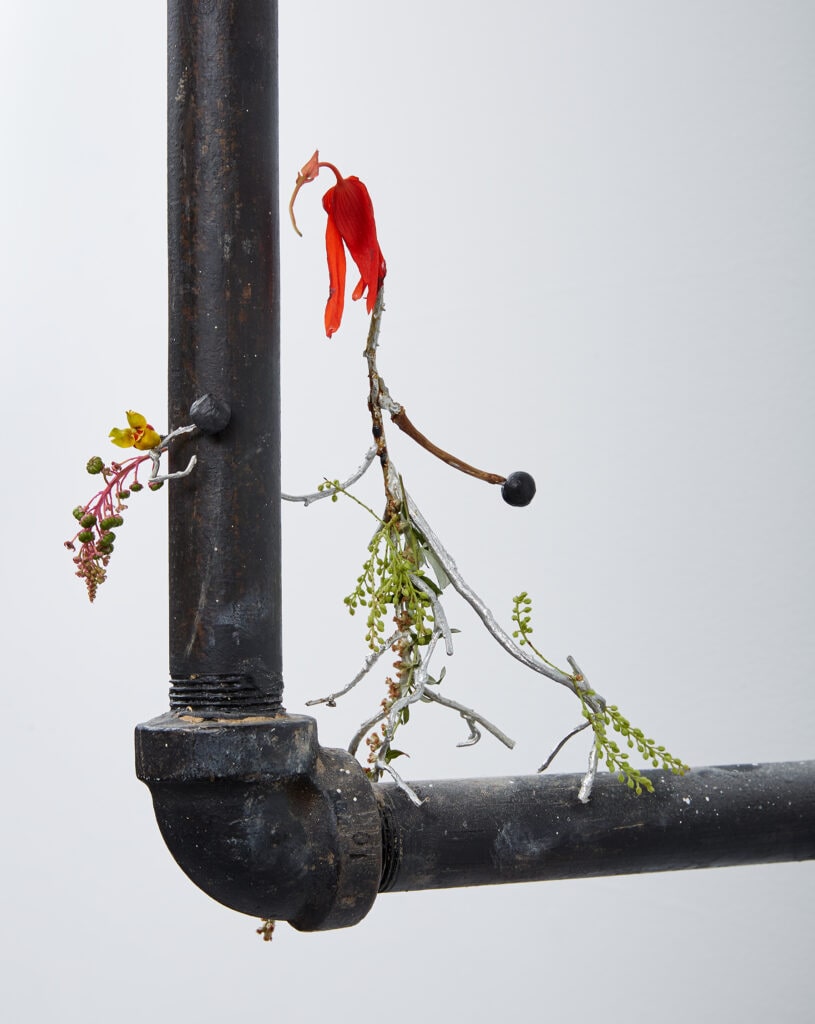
<point>225,589</point>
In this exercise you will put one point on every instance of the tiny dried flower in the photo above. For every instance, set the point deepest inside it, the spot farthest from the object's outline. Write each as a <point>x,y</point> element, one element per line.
<point>351,224</point>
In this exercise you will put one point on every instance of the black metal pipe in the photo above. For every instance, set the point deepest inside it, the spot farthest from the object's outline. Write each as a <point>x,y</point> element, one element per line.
<point>260,816</point>
<point>225,624</point>
<point>532,828</point>
<point>269,823</point>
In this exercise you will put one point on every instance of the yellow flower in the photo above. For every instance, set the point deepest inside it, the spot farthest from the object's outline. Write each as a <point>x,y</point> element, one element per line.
<point>140,434</point>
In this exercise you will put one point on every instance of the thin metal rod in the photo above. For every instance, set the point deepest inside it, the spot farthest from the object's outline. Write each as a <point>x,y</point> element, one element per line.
<point>533,828</point>
<point>225,624</point>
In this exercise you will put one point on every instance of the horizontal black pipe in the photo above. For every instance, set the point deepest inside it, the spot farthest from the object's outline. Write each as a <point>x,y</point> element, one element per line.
<point>532,828</point>
<point>225,623</point>
<point>269,823</point>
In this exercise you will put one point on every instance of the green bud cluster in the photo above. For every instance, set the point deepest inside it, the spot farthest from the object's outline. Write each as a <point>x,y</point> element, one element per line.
<point>522,617</point>
<point>602,717</point>
<point>385,583</point>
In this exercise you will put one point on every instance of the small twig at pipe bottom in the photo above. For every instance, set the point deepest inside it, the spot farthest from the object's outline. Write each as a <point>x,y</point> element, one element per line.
<point>587,784</point>
<point>370,661</point>
<point>328,492</point>
<point>562,744</point>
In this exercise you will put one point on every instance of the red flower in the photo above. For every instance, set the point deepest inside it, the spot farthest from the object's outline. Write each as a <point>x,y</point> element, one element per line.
<point>350,224</point>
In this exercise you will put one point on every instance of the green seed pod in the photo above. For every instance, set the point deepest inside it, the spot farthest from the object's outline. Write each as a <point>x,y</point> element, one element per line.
<point>95,465</point>
<point>85,536</point>
<point>89,519</point>
<point>155,485</point>
<point>78,512</point>
<point>135,487</point>
<point>123,494</point>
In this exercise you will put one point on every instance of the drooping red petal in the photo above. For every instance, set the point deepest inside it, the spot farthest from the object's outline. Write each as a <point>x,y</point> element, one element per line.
<point>353,215</point>
<point>335,254</point>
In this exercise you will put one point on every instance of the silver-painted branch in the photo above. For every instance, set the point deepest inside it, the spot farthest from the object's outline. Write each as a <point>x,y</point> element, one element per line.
<point>156,453</point>
<point>439,616</point>
<point>475,733</point>
<point>400,782</point>
<point>370,661</point>
<point>587,784</point>
<point>156,478</point>
<point>178,432</point>
<point>366,727</point>
<point>562,744</point>
<point>327,492</point>
<point>469,716</point>
<point>482,611</point>
<point>420,679</point>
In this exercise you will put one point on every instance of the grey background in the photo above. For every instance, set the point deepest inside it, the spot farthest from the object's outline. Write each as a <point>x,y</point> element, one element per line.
<point>598,221</point>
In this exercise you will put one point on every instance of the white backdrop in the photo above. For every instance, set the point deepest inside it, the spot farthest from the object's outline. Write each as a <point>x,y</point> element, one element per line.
<point>598,221</point>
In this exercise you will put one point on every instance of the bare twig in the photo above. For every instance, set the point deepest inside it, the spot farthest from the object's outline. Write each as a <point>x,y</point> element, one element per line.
<point>156,478</point>
<point>400,418</point>
<point>482,611</point>
<point>328,492</point>
<point>366,727</point>
<point>400,782</point>
<point>587,784</point>
<point>475,733</point>
<point>468,714</point>
<point>439,616</point>
<point>370,661</point>
<point>178,432</point>
<point>562,744</point>
<point>156,453</point>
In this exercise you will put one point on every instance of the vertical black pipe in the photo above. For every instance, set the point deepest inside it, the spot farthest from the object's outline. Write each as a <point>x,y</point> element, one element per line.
<point>225,624</point>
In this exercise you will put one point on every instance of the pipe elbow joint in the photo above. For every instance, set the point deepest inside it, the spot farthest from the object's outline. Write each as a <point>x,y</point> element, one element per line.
<point>263,819</point>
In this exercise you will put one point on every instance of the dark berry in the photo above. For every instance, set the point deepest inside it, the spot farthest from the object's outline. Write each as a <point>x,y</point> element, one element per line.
<point>518,489</point>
